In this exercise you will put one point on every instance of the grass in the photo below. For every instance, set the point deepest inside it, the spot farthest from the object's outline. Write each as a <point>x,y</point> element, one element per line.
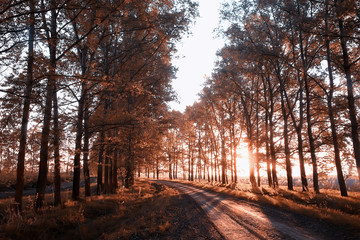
<point>145,211</point>
<point>8,180</point>
<point>327,206</point>
<point>150,210</point>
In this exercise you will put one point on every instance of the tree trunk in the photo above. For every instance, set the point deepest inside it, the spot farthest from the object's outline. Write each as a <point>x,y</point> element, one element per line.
<point>286,144</point>
<point>271,137</point>
<point>79,132</point>
<point>111,157</point>
<point>215,166</point>
<point>298,124</point>
<point>208,171</point>
<point>129,175</point>
<point>311,139</point>
<point>183,163</point>
<point>235,164</point>
<point>157,169</point>
<point>86,152</point>
<point>57,177</point>
<point>114,171</point>
<point>298,127</point>
<point>257,160</point>
<point>334,135</point>
<point>350,90</point>
<point>189,162</point>
<point>273,157</point>
<point>176,169</point>
<point>223,161</point>
<point>170,170</point>
<point>99,186</point>
<point>26,110</point>
<point>272,148</point>
<point>106,170</point>
<point>192,166</point>
<point>231,154</point>
<point>129,165</point>
<point>251,165</point>
<point>44,148</point>
<point>267,147</point>
<point>308,115</point>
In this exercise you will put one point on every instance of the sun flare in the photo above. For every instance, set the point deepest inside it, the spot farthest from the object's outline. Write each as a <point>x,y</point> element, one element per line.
<point>242,161</point>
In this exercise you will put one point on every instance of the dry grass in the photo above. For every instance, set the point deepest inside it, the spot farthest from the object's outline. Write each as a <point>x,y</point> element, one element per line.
<point>152,210</point>
<point>145,211</point>
<point>85,219</point>
<point>328,205</point>
<point>8,179</point>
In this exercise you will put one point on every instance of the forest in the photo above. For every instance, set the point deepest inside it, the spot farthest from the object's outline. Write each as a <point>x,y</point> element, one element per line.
<point>85,88</point>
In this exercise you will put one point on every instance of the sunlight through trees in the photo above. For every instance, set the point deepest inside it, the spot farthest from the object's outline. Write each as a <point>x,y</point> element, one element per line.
<point>85,90</point>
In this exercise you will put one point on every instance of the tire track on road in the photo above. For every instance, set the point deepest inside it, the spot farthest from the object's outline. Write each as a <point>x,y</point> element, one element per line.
<point>241,219</point>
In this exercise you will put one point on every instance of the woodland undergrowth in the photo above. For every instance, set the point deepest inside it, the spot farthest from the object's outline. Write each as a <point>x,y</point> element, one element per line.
<point>144,211</point>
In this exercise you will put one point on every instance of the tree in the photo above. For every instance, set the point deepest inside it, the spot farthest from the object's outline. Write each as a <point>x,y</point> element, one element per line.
<point>342,9</point>
<point>26,109</point>
<point>51,35</point>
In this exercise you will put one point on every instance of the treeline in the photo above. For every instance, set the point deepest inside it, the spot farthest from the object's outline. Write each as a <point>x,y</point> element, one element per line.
<point>286,84</point>
<point>93,74</point>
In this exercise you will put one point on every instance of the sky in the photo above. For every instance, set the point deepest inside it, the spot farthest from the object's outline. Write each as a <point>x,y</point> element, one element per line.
<point>196,55</point>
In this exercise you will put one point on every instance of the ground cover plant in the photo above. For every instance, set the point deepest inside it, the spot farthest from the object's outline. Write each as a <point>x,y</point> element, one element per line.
<point>148,210</point>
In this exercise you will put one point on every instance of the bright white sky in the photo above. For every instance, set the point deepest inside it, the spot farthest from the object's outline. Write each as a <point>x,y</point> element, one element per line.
<point>197,55</point>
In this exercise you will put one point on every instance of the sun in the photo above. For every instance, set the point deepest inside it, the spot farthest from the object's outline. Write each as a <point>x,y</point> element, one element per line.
<point>242,161</point>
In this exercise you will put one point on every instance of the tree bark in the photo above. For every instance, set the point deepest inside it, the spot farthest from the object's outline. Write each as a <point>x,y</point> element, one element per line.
<point>267,147</point>
<point>192,165</point>
<point>223,161</point>
<point>235,163</point>
<point>257,160</point>
<point>57,177</point>
<point>79,133</point>
<point>26,110</point>
<point>99,186</point>
<point>330,94</point>
<point>157,169</point>
<point>308,112</point>
<point>250,143</point>
<point>251,165</point>
<point>86,152</point>
<point>129,164</point>
<point>114,172</point>
<point>311,138</point>
<point>189,161</point>
<point>111,158</point>
<point>106,169</point>
<point>298,124</point>
<point>44,149</point>
<point>271,138</point>
<point>350,88</point>
<point>286,144</point>
<point>272,154</point>
<point>170,170</point>
<point>298,128</point>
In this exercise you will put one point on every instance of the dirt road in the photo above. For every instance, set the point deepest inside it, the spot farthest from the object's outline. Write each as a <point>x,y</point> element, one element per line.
<point>240,219</point>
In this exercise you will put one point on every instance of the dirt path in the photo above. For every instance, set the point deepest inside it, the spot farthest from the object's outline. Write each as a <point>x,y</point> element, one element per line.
<point>240,219</point>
